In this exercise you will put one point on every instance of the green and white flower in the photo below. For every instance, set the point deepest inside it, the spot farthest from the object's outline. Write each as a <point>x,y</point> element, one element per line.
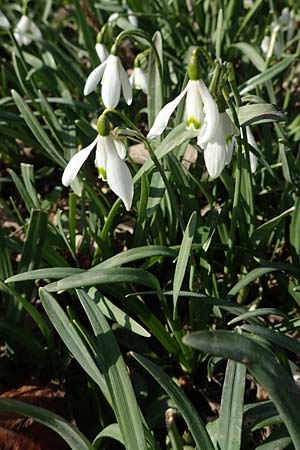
<point>114,77</point>
<point>201,110</point>
<point>109,160</point>
<point>27,31</point>
<point>138,79</point>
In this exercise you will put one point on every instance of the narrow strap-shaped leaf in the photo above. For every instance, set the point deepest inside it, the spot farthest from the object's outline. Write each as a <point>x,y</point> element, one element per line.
<point>187,410</point>
<point>73,342</point>
<point>231,411</point>
<point>73,437</point>
<point>126,408</point>
<point>263,366</point>
<point>183,257</point>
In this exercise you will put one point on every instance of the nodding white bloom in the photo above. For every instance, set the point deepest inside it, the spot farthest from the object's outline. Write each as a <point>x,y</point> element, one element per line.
<point>201,110</point>
<point>247,4</point>
<point>102,52</point>
<point>252,142</point>
<point>110,153</point>
<point>4,22</point>
<point>113,77</point>
<point>218,150</point>
<point>132,19</point>
<point>27,31</point>
<point>138,79</point>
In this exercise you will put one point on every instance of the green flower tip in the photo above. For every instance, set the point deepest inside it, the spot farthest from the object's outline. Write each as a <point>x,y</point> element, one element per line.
<point>193,124</point>
<point>102,173</point>
<point>114,50</point>
<point>103,125</point>
<point>194,69</point>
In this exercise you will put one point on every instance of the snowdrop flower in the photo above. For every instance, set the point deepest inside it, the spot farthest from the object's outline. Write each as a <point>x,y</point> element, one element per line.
<point>4,22</point>
<point>101,51</point>
<point>218,150</point>
<point>27,31</point>
<point>110,153</point>
<point>114,77</point>
<point>138,78</point>
<point>252,142</point>
<point>201,111</point>
<point>132,19</point>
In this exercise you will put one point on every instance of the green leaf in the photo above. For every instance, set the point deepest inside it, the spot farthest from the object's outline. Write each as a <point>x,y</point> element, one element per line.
<point>257,313</point>
<point>252,54</point>
<point>155,97</point>
<point>86,31</point>
<point>34,240</point>
<point>275,337</point>
<point>47,145</point>
<point>114,313</point>
<point>263,366</point>
<point>111,431</point>
<point>122,393</point>
<point>73,437</point>
<point>231,411</point>
<point>187,410</point>
<point>183,257</point>
<point>44,274</point>
<point>135,254</point>
<point>267,75</point>
<point>72,340</point>
<point>258,113</point>
<point>176,137</point>
<point>105,276</point>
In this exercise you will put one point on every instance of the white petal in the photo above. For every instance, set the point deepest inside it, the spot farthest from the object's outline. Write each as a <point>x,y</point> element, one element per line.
<point>114,16</point>
<point>74,165</point>
<point>36,32</point>
<point>139,80</point>
<point>215,157</point>
<point>211,115</point>
<point>111,84</point>
<point>102,52</point>
<point>265,43</point>
<point>121,149</point>
<point>164,115</point>
<point>100,158</point>
<point>94,78</point>
<point>132,18</point>
<point>126,86</point>
<point>21,29</point>
<point>118,175</point>
<point>194,107</point>
<point>4,22</point>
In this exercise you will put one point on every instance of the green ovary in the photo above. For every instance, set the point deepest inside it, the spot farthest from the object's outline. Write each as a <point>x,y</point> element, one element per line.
<point>102,173</point>
<point>193,124</point>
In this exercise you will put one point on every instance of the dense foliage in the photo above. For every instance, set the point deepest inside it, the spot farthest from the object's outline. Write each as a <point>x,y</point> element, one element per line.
<point>166,320</point>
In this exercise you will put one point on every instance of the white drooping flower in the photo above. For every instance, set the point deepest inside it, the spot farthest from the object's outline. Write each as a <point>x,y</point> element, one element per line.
<point>4,22</point>
<point>270,43</point>
<point>252,142</point>
<point>110,153</point>
<point>218,150</point>
<point>201,110</point>
<point>114,77</point>
<point>138,79</point>
<point>102,51</point>
<point>27,31</point>
<point>132,19</point>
